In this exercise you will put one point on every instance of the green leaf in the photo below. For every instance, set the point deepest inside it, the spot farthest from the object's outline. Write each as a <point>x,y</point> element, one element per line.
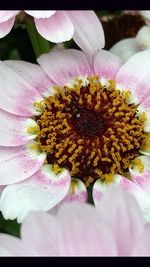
<point>9,226</point>
<point>40,45</point>
<point>14,55</point>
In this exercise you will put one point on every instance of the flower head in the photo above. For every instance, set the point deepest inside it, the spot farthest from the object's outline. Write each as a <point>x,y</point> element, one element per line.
<point>83,230</point>
<point>82,120</point>
<point>61,26</point>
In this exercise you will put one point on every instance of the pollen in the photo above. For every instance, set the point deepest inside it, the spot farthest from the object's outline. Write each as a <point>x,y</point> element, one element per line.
<point>33,130</point>
<point>91,130</point>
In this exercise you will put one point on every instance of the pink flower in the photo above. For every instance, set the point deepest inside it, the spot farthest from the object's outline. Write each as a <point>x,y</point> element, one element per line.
<point>61,26</point>
<point>65,129</point>
<point>115,229</point>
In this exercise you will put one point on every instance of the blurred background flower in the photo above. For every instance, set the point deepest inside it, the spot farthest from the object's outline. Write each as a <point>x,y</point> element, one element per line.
<point>131,33</point>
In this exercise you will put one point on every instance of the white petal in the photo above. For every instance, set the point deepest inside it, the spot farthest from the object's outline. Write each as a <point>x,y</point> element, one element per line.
<point>40,13</point>
<point>125,48</point>
<point>42,191</point>
<point>143,37</point>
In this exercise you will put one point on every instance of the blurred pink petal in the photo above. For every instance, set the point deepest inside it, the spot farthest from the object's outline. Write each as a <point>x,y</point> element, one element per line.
<point>122,214</point>
<point>56,28</point>
<point>142,247</point>
<point>86,38</point>
<point>7,19</point>
<point>11,246</point>
<point>5,27</point>
<point>40,13</point>
<point>6,15</point>
<point>83,230</point>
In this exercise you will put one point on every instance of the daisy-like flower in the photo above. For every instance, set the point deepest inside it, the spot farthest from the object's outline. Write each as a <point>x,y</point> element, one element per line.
<point>73,122</point>
<point>61,26</point>
<point>113,230</point>
<point>130,46</point>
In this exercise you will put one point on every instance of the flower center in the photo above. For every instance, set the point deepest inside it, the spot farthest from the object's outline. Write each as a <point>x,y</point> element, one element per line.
<point>86,122</point>
<point>90,129</point>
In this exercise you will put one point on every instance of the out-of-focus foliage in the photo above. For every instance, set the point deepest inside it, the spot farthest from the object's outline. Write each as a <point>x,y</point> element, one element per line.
<point>17,45</point>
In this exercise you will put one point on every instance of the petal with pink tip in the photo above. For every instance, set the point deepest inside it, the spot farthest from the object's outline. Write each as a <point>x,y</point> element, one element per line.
<point>5,27</point>
<point>106,64</point>
<point>14,129</point>
<point>13,246</point>
<point>19,163</point>
<point>17,96</point>
<point>57,28</point>
<point>122,205</point>
<point>140,173</point>
<point>42,191</point>
<point>6,15</point>
<point>134,76</point>
<point>33,74</point>
<point>84,232</point>
<point>100,187</point>
<point>125,48</point>
<point>86,38</point>
<point>63,65</point>
<point>77,192</point>
<point>40,13</point>
<point>38,225</point>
